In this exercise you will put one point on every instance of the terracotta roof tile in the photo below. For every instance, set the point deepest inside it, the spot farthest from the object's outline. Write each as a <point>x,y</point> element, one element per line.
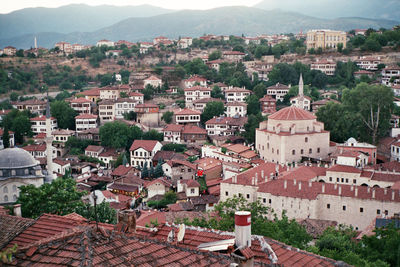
<point>292,113</point>
<point>147,145</point>
<point>187,111</point>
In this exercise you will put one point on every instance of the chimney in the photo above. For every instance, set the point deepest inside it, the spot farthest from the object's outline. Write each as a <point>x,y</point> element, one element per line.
<point>323,188</point>
<point>299,185</point>
<point>392,194</point>
<point>340,190</point>
<point>368,189</point>
<point>17,210</point>
<point>285,184</point>
<point>351,188</point>
<point>385,191</point>
<point>309,184</point>
<point>356,191</point>
<point>262,174</point>
<point>256,179</point>
<point>127,218</point>
<point>242,228</point>
<point>294,181</point>
<point>335,186</point>
<point>373,193</point>
<point>252,180</point>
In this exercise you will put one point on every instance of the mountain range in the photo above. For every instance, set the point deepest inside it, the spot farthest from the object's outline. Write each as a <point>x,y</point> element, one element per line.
<point>87,27</point>
<point>378,9</point>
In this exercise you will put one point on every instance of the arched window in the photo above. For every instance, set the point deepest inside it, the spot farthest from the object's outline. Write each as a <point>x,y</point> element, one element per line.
<point>293,152</point>
<point>14,197</point>
<point>301,151</point>
<point>310,151</point>
<point>14,188</point>
<point>306,139</point>
<point>5,190</point>
<point>5,198</point>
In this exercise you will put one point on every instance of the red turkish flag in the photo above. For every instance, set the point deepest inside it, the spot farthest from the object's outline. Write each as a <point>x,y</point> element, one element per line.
<point>200,173</point>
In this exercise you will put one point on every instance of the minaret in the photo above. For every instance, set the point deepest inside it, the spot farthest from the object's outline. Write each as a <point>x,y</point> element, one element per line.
<point>35,43</point>
<point>49,142</point>
<point>301,92</point>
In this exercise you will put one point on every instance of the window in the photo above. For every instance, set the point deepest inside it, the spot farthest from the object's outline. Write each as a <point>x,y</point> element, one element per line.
<point>347,180</point>
<point>301,151</point>
<point>270,201</point>
<point>310,151</point>
<point>5,198</point>
<point>5,190</point>
<point>306,139</point>
<point>192,191</point>
<point>240,194</point>
<point>318,150</point>
<point>14,198</point>
<point>386,212</point>
<point>264,200</point>
<point>14,188</point>
<point>293,152</point>
<point>361,209</point>
<point>330,179</point>
<point>354,181</point>
<point>248,196</point>
<point>337,179</point>
<point>226,193</point>
<point>328,206</point>
<point>344,207</point>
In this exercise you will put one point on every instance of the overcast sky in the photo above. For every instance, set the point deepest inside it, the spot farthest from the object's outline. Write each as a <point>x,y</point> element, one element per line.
<point>9,6</point>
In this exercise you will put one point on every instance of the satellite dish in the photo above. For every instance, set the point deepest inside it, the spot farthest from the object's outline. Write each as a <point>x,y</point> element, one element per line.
<point>171,236</point>
<point>181,233</point>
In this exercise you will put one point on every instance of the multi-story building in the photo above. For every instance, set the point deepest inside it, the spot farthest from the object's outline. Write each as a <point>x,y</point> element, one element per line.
<point>180,170</point>
<point>320,103</point>
<point>39,124</point>
<point>173,133</point>
<point>368,63</point>
<point>84,122</point>
<point>106,111</point>
<point>353,145</point>
<point>81,105</point>
<point>105,42</point>
<point>138,97</point>
<point>193,135</point>
<point>225,126</point>
<point>278,91</point>
<point>236,109</point>
<point>187,116</point>
<point>236,94</point>
<point>326,66</point>
<point>325,39</point>
<point>143,151</point>
<point>153,81</point>
<point>268,105</point>
<point>234,56</point>
<point>195,80</point>
<point>9,51</point>
<point>62,135</point>
<point>391,76</point>
<point>92,94</point>
<point>33,105</point>
<point>195,93</point>
<point>291,134</point>
<point>124,105</point>
<point>148,114</point>
<point>93,151</point>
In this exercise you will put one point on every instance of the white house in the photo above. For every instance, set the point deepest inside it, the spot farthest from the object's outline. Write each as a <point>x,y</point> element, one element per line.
<point>195,93</point>
<point>39,124</point>
<point>143,151</point>
<point>236,94</point>
<point>153,81</point>
<point>186,116</point>
<point>236,109</point>
<point>195,80</point>
<point>85,121</point>
<point>105,42</point>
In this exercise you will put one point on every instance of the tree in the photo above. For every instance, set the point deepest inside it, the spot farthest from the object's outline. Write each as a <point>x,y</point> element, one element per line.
<point>250,127</point>
<point>145,171</point>
<point>105,213</point>
<point>21,126</point>
<point>217,92</point>
<point>77,146</point>
<point>115,134</point>
<point>159,172</point>
<point>148,92</point>
<point>14,96</point>
<point>6,137</point>
<point>341,123</point>
<point>340,47</point>
<point>374,104</point>
<point>253,106</point>
<point>167,117</point>
<point>130,116</point>
<point>260,90</point>
<point>153,135</point>
<point>174,147</point>
<point>169,198</point>
<point>59,197</point>
<point>215,55</point>
<point>123,95</point>
<point>212,109</point>
<point>20,53</point>
<point>64,114</point>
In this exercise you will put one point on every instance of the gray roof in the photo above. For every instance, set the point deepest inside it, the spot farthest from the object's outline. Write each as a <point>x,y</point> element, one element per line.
<point>15,158</point>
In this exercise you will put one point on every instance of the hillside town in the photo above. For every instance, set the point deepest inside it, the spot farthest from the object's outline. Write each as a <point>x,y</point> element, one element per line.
<point>202,151</point>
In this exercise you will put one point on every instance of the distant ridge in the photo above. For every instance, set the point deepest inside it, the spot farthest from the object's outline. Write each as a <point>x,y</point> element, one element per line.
<point>221,21</point>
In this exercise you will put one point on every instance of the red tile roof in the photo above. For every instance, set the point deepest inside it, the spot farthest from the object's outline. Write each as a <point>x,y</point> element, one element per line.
<point>93,148</point>
<point>190,182</point>
<point>198,88</point>
<point>122,170</point>
<point>81,100</point>
<point>152,78</point>
<point>193,129</point>
<point>159,180</point>
<point>147,145</point>
<point>304,173</point>
<point>187,111</point>
<point>40,147</point>
<point>245,178</point>
<point>195,78</point>
<point>41,118</point>
<point>175,162</point>
<point>173,128</point>
<point>343,168</point>
<point>292,113</point>
<point>86,116</point>
<point>278,86</point>
<point>11,226</point>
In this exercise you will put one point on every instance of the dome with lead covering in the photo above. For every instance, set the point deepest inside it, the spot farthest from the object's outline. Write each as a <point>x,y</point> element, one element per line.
<point>16,158</point>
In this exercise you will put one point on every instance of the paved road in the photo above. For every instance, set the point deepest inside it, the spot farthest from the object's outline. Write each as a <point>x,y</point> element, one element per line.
<point>40,95</point>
